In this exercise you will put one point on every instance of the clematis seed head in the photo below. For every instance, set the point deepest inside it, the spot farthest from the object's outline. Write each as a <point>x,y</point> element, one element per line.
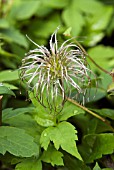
<point>56,73</point>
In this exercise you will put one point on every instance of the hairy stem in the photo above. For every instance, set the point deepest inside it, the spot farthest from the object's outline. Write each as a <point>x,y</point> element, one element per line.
<point>92,113</point>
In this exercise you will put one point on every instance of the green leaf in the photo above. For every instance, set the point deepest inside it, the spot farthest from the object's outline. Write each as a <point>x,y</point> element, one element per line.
<point>68,111</point>
<point>5,90</point>
<point>17,142</point>
<point>92,37</point>
<point>97,167</point>
<point>87,6</point>
<point>29,164</point>
<point>43,119</point>
<point>101,19</point>
<point>4,23</point>
<point>10,86</point>
<point>56,3</point>
<point>71,163</point>
<point>10,113</point>
<point>76,21</point>
<point>103,56</point>
<point>63,135</point>
<point>24,10</point>
<point>110,87</point>
<point>51,155</point>
<point>40,114</point>
<point>109,113</point>
<point>45,29</point>
<point>13,35</point>
<point>96,145</point>
<point>8,75</point>
<point>68,32</point>
<point>26,122</point>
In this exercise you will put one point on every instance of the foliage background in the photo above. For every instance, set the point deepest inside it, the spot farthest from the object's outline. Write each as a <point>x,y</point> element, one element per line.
<point>92,23</point>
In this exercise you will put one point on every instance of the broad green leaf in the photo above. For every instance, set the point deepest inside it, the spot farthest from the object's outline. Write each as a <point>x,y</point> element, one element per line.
<point>17,142</point>
<point>109,113</point>
<point>13,35</point>
<point>103,56</point>
<point>68,111</point>
<point>3,23</point>
<point>24,10</point>
<point>96,145</point>
<point>87,6</point>
<point>101,19</point>
<point>10,112</point>
<point>76,21</point>
<point>63,135</point>
<point>93,37</point>
<point>29,164</point>
<point>26,122</point>
<point>43,10</point>
<point>44,119</point>
<point>56,3</point>
<point>96,94</point>
<point>97,167</point>
<point>51,155</point>
<point>8,75</point>
<point>5,90</point>
<point>45,29</point>
<point>10,86</point>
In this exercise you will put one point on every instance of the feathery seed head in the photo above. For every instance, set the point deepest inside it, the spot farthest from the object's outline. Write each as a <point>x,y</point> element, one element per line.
<point>52,74</point>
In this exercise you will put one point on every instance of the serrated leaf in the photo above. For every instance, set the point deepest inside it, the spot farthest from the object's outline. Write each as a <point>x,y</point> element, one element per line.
<point>29,164</point>
<point>17,142</point>
<point>5,90</point>
<point>51,155</point>
<point>95,146</point>
<point>10,112</point>
<point>63,135</point>
<point>68,111</point>
<point>9,75</point>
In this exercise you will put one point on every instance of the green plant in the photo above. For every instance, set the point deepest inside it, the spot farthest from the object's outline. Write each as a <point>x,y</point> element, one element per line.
<point>71,127</point>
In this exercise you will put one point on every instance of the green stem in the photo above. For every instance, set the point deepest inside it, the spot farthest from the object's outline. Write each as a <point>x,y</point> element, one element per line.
<point>92,113</point>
